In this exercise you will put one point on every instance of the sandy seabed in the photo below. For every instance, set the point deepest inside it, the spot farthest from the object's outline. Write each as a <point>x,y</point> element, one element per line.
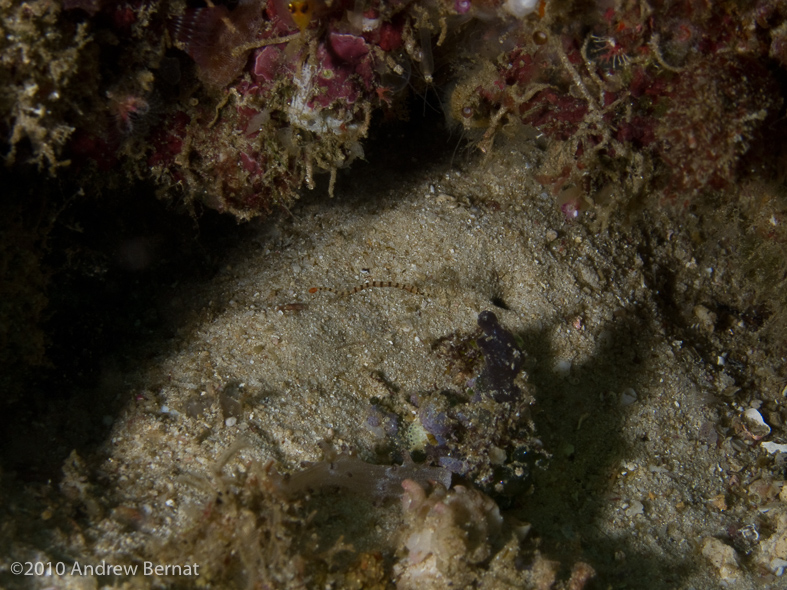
<point>651,473</point>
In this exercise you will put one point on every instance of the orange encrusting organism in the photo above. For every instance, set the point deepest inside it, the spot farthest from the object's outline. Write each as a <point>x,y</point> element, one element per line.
<point>301,12</point>
<point>370,285</point>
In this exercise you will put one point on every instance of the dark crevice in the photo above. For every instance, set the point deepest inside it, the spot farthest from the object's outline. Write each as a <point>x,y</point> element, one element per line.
<point>110,263</point>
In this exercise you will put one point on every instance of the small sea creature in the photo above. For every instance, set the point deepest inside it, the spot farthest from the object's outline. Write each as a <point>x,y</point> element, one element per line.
<point>128,111</point>
<point>369,285</point>
<point>572,202</point>
<point>609,52</point>
<point>301,12</point>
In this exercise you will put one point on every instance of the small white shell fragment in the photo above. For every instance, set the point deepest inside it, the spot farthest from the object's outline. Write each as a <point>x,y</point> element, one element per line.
<point>635,508</point>
<point>774,448</point>
<point>497,456</point>
<point>756,425</point>
<point>167,410</point>
<point>231,421</point>
<point>628,397</point>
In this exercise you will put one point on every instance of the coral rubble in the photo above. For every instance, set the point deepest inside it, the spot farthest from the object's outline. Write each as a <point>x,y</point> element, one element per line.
<point>449,532</point>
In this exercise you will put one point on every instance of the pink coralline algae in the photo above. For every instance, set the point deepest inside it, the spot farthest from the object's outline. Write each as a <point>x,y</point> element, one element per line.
<point>238,105</point>
<point>292,97</point>
<point>668,97</point>
<point>214,38</point>
<point>462,6</point>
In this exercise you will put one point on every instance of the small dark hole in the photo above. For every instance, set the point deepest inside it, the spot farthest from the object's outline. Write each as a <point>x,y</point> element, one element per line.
<point>418,456</point>
<point>498,302</point>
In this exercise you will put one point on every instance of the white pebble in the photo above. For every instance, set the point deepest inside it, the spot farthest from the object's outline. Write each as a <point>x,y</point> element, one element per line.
<point>563,367</point>
<point>167,410</point>
<point>756,425</point>
<point>774,448</point>
<point>777,566</point>
<point>520,8</point>
<point>497,456</point>
<point>628,397</point>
